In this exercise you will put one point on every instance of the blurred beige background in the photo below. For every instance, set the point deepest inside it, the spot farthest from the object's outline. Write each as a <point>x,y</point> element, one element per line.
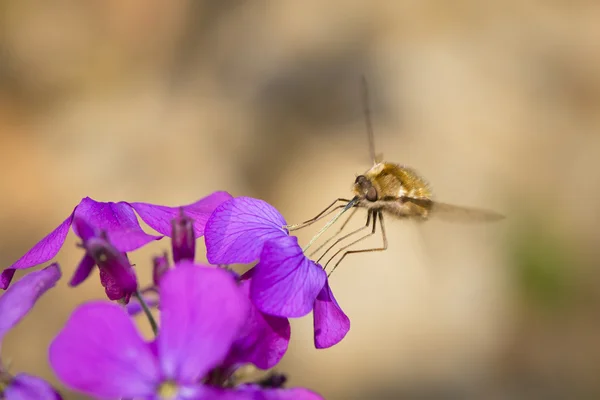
<point>495,103</point>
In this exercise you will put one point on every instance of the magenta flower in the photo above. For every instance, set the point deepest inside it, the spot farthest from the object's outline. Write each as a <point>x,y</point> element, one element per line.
<point>15,303</point>
<point>99,351</point>
<point>285,282</point>
<point>119,222</point>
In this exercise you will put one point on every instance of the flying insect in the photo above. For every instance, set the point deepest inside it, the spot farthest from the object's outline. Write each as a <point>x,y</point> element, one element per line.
<point>387,189</point>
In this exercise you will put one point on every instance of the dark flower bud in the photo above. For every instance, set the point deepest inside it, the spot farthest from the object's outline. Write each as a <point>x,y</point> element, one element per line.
<point>116,273</point>
<point>160,265</point>
<point>183,238</point>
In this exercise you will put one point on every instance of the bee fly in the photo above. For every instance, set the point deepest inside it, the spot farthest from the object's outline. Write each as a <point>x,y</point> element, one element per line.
<point>391,189</point>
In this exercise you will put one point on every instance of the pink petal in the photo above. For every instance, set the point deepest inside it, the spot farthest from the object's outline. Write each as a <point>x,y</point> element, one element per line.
<point>285,282</point>
<point>159,217</point>
<point>202,310</point>
<point>330,323</point>
<point>99,352</point>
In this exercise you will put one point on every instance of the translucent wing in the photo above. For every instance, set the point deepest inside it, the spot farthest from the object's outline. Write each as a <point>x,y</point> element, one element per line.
<point>448,212</point>
<point>452,213</point>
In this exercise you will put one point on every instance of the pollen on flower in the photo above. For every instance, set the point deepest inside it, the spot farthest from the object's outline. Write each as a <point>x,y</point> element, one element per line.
<point>167,390</point>
<point>101,256</point>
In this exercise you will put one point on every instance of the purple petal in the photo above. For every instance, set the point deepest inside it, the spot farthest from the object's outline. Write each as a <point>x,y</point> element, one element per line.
<point>42,252</point>
<point>100,352</point>
<point>263,339</point>
<point>119,222</point>
<point>238,229</point>
<point>27,387</point>
<point>159,217</point>
<point>290,394</point>
<point>206,392</point>
<point>84,269</point>
<point>285,282</point>
<point>202,310</point>
<point>254,392</point>
<point>83,229</point>
<point>330,322</point>
<point>16,302</point>
<point>6,277</point>
<point>131,239</point>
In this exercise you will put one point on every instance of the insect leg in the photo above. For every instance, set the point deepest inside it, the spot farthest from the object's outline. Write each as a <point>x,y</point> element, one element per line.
<point>374,213</point>
<point>354,232</point>
<point>383,248</point>
<point>335,234</point>
<point>319,216</point>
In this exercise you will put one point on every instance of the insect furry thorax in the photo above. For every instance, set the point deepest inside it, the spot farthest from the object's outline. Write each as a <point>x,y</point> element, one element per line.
<point>388,187</point>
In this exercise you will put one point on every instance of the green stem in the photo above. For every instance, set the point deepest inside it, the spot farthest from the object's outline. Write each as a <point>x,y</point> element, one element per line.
<point>146,309</point>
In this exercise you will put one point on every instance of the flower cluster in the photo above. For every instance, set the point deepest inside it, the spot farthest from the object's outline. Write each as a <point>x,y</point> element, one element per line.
<point>211,320</point>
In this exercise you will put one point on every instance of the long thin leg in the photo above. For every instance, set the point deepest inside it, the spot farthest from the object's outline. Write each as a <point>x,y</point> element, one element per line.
<point>346,236</point>
<point>374,213</point>
<point>383,248</point>
<point>335,234</point>
<point>319,216</point>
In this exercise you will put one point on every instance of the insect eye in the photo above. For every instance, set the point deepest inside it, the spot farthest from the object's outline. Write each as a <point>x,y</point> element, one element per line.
<point>372,194</point>
<point>360,179</point>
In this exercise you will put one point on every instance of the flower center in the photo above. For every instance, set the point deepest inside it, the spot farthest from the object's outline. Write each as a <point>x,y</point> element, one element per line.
<point>101,257</point>
<point>167,390</point>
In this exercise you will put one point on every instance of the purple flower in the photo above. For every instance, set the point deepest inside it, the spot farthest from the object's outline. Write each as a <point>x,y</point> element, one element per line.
<point>15,303</point>
<point>119,222</point>
<point>100,352</point>
<point>116,273</point>
<point>285,282</point>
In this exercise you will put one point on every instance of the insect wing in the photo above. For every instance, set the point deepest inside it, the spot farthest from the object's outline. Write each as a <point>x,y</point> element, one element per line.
<point>453,213</point>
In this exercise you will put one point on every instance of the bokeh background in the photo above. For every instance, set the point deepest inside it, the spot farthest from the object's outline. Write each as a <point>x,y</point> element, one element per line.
<point>495,103</point>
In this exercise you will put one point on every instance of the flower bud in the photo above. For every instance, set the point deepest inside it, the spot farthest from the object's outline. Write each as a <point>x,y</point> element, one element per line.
<point>183,238</point>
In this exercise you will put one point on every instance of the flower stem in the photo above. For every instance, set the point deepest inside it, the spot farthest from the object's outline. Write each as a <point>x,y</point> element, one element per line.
<point>146,309</point>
